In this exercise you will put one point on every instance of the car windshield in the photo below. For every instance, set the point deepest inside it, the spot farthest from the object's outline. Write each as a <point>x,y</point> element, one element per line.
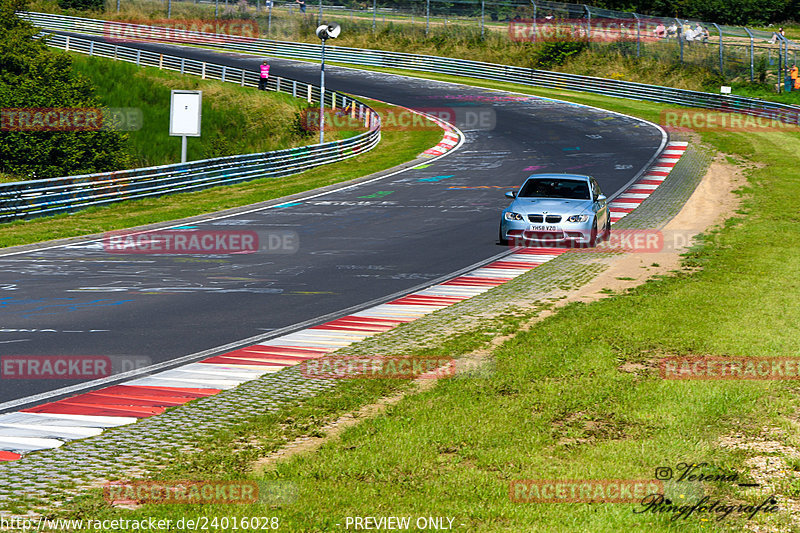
<point>555,188</point>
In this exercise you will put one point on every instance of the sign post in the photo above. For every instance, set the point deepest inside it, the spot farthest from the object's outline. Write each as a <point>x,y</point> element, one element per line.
<point>185,113</point>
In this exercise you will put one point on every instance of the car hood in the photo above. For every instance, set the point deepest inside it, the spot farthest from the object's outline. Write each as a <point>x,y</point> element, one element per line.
<point>556,206</point>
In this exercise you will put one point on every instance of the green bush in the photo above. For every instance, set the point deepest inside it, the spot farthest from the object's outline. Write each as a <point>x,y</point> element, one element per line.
<point>33,76</point>
<point>87,5</point>
<point>554,53</point>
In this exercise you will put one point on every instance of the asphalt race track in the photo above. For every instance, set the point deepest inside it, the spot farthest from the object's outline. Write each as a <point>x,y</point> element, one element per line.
<point>353,245</point>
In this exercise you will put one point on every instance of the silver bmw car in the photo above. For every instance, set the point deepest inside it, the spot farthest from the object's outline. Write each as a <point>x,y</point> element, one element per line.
<point>556,209</point>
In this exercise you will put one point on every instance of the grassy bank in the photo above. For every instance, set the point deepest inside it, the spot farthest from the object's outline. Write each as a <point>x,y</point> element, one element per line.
<point>578,396</point>
<point>236,120</point>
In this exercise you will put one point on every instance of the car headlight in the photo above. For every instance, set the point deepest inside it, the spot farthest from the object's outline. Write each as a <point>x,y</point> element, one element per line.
<point>513,216</point>
<point>578,218</point>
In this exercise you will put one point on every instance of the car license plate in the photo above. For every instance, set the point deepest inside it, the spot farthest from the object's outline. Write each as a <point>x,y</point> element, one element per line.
<point>544,228</point>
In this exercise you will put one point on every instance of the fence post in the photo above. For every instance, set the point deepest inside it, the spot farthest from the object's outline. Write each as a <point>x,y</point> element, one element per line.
<point>638,34</point>
<point>752,69</point>
<point>169,8</point>
<point>319,21</point>
<point>588,22</point>
<point>534,20</point>
<point>427,16</point>
<point>780,64</point>
<point>374,13</point>
<point>483,11</point>
<point>680,36</point>
<point>719,30</point>
<point>269,17</point>
<point>117,6</point>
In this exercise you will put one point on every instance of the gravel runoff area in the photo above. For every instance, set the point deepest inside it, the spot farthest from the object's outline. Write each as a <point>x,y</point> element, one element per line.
<point>43,479</point>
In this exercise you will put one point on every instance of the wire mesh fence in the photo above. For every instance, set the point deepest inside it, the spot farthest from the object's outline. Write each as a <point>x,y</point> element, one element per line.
<point>739,54</point>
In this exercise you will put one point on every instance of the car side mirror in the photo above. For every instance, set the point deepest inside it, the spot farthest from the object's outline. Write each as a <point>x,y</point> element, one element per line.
<point>602,198</point>
<point>511,194</point>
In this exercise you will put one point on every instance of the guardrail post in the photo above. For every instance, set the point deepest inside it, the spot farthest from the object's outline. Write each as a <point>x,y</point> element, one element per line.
<point>294,88</point>
<point>160,61</point>
<point>752,68</point>
<point>91,48</point>
<point>116,51</point>
<point>309,93</point>
<point>352,109</point>
<point>242,77</point>
<point>138,58</point>
<point>223,73</point>
<point>66,44</point>
<point>183,64</point>
<point>333,101</point>
<point>277,85</point>
<point>203,71</point>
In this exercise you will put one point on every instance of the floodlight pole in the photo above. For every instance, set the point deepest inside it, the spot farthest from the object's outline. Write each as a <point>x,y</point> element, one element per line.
<point>322,95</point>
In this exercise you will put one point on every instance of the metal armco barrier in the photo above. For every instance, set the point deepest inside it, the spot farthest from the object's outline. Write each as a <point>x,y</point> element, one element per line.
<point>459,67</point>
<point>28,199</point>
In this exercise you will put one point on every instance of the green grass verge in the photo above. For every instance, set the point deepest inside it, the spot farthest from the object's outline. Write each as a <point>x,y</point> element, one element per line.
<point>396,147</point>
<point>559,405</point>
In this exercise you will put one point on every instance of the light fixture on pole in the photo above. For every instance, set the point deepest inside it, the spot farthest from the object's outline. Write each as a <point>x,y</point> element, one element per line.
<point>324,32</point>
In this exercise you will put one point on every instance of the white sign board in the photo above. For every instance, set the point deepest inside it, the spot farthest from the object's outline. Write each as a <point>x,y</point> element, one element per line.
<point>725,89</point>
<point>185,112</point>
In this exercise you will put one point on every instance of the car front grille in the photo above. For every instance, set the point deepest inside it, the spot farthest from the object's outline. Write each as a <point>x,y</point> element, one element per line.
<point>550,219</point>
